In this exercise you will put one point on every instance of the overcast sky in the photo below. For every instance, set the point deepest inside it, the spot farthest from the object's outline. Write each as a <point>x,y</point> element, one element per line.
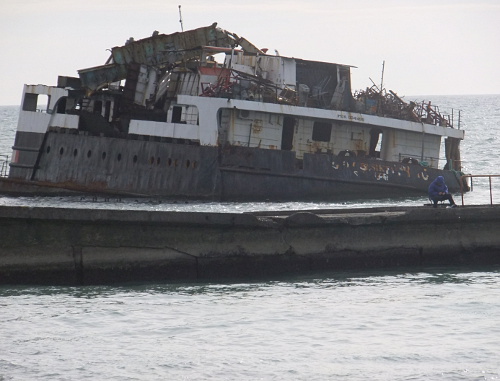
<point>439,47</point>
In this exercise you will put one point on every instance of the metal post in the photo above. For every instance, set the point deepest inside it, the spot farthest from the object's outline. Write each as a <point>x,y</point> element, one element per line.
<point>491,193</point>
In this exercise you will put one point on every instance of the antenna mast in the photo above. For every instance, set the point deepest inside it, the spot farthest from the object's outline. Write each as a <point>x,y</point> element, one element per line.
<point>381,80</point>
<point>180,19</point>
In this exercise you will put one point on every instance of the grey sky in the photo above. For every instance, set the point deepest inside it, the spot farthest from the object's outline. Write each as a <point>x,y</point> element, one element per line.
<point>440,47</point>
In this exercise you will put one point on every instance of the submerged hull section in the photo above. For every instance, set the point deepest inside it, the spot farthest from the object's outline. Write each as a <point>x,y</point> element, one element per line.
<point>150,168</point>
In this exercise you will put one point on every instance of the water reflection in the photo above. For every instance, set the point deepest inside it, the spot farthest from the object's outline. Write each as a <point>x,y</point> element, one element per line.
<point>324,280</point>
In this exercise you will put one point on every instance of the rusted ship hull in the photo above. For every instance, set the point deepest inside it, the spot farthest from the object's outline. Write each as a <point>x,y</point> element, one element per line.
<point>69,163</point>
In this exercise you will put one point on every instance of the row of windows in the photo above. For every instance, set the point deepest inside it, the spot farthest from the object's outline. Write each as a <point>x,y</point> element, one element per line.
<point>152,160</point>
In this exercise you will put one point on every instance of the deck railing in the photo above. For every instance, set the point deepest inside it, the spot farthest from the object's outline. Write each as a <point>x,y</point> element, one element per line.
<point>463,180</point>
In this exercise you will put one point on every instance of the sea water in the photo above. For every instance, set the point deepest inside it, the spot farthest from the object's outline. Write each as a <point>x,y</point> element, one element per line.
<point>407,324</point>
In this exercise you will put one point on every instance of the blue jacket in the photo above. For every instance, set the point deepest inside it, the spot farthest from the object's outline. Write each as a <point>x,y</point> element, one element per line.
<point>437,186</point>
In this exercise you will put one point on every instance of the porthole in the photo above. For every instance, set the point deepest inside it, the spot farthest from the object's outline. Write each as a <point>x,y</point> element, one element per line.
<point>135,159</point>
<point>48,149</point>
<point>75,152</point>
<point>119,157</point>
<point>103,155</point>
<point>61,151</point>
<point>89,153</point>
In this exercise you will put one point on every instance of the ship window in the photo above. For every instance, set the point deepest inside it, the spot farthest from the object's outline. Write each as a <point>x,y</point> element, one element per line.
<point>176,114</point>
<point>36,102</point>
<point>119,157</point>
<point>61,105</point>
<point>188,163</point>
<point>375,142</point>
<point>61,151</point>
<point>135,159</point>
<point>158,161</point>
<point>107,110</point>
<point>321,131</point>
<point>103,155</point>
<point>48,149</point>
<point>43,103</point>
<point>89,153</point>
<point>75,152</point>
<point>98,107</point>
<point>287,133</point>
<point>30,102</point>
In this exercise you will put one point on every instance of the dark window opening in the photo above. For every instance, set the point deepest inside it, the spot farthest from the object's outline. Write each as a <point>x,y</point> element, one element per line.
<point>107,110</point>
<point>322,132</point>
<point>30,102</point>
<point>98,107</point>
<point>287,134</point>
<point>176,114</point>
<point>61,106</point>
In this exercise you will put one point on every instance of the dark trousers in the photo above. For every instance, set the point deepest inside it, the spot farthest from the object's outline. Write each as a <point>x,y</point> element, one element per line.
<point>442,197</point>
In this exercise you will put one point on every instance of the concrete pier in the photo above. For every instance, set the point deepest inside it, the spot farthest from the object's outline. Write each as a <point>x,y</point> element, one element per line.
<point>89,246</point>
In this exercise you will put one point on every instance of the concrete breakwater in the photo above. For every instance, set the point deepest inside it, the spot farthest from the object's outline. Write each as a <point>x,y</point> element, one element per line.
<point>89,246</point>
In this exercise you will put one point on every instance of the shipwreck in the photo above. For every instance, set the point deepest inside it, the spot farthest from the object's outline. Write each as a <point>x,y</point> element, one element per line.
<point>205,114</point>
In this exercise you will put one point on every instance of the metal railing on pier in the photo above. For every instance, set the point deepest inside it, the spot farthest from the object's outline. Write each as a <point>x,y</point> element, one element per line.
<point>463,180</point>
<point>4,165</point>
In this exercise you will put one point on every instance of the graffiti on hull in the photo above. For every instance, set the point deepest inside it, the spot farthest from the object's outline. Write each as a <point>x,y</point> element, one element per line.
<point>369,170</point>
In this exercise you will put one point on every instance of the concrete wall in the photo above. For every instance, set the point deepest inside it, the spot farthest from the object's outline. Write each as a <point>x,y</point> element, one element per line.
<point>75,246</point>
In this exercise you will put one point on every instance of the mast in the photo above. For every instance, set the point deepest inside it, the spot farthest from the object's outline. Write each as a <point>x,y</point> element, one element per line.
<point>180,19</point>
<point>382,79</point>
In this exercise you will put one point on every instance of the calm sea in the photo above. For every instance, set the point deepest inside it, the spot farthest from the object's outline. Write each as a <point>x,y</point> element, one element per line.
<point>409,324</point>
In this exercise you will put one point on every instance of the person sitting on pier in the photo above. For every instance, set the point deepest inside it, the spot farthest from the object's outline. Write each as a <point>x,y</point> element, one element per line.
<point>438,191</point>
